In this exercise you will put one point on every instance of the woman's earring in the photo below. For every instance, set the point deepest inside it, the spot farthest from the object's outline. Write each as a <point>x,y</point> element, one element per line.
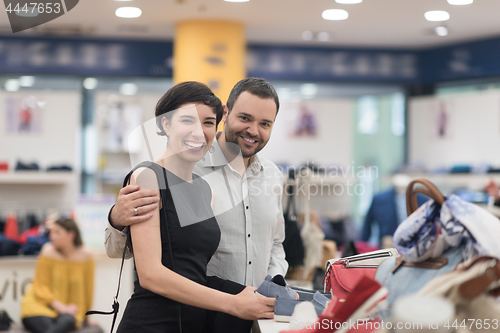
<point>168,141</point>
<point>212,149</point>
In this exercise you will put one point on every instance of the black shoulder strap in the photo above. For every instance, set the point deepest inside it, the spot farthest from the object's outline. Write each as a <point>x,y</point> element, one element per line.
<point>128,243</point>
<point>116,304</point>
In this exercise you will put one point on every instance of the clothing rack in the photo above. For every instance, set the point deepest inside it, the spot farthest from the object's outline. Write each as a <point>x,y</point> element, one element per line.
<point>322,195</point>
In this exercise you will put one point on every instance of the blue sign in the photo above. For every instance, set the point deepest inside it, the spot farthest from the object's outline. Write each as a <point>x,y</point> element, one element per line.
<point>85,57</point>
<point>93,57</point>
<point>313,64</point>
<point>462,61</point>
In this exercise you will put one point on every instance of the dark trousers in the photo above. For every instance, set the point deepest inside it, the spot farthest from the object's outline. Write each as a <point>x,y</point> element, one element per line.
<point>219,322</point>
<point>40,324</point>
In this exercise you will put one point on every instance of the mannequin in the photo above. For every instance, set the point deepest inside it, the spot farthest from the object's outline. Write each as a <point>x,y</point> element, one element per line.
<point>388,210</point>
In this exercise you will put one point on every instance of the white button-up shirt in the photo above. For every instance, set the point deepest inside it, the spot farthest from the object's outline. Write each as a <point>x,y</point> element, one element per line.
<point>249,211</point>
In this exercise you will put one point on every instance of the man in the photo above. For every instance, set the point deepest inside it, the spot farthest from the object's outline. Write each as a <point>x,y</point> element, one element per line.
<point>247,192</point>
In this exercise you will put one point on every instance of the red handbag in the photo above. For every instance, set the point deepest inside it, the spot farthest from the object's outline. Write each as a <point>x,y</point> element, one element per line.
<point>343,274</point>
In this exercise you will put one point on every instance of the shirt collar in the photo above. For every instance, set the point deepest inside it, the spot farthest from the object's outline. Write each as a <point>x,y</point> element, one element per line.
<point>254,164</point>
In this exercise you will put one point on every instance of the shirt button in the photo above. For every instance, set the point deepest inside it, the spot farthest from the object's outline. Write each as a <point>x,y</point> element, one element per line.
<point>248,235</point>
<point>247,207</point>
<point>249,262</point>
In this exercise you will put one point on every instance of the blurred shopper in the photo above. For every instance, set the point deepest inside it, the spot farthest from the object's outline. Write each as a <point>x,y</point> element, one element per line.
<point>62,289</point>
<point>493,191</point>
<point>387,211</point>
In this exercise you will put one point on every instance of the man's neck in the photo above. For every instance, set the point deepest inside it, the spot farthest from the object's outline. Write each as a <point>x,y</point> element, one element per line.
<point>238,163</point>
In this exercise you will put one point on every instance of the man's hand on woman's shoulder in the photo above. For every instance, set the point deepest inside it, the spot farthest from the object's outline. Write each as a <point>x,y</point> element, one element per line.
<point>134,205</point>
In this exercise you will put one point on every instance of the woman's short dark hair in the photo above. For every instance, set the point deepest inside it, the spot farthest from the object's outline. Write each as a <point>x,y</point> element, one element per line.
<point>186,92</point>
<point>70,225</point>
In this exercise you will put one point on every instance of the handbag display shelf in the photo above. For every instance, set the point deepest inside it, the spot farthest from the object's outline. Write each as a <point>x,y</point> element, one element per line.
<point>471,288</point>
<point>404,278</point>
<point>343,274</point>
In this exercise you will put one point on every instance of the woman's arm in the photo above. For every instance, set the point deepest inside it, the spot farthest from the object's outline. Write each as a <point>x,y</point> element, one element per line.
<point>43,277</point>
<point>161,280</point>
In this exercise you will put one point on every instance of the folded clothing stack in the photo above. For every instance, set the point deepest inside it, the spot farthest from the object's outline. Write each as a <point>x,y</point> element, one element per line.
<point>288,297</point>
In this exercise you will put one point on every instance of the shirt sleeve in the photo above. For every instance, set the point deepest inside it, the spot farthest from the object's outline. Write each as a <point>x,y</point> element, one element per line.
<point>278,263</point>
<point>115,241</point>
<point>41,282</point>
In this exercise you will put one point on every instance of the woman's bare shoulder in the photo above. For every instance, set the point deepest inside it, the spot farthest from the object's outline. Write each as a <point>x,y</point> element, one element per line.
<point>145,178</point>
<point>84,254</point>
<point>48,250</point>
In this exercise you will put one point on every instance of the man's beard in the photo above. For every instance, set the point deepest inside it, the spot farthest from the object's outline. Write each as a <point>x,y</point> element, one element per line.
<point>232,137</point>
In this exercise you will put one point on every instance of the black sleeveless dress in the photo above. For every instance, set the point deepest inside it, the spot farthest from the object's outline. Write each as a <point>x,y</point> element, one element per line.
<point>189,235</point>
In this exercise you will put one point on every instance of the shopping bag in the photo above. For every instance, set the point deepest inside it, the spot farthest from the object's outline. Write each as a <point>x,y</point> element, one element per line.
<point>343,274</point>
<point>445,222</point>
<point>472,289</point>
<point>403,278</point>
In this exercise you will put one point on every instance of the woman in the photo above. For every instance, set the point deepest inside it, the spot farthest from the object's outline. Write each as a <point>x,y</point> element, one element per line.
<point>62,289</point>
<point>172,249</point>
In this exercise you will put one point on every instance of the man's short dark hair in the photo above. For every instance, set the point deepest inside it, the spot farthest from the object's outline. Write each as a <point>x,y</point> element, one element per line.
<point>255,86</point>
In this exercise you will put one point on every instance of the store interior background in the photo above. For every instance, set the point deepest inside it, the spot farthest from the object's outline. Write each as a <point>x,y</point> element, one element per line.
<point>387,94</point>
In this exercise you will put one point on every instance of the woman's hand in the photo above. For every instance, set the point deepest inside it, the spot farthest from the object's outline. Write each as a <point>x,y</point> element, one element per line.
<point>62,308</point>
<point>130,198</point>
<point>251,306</point>
<point>71,309</point>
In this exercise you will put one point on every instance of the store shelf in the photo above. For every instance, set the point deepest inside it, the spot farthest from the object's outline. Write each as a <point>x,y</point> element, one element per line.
<point>323,180</point>
<point>466,180</point>
<point>37,177</point>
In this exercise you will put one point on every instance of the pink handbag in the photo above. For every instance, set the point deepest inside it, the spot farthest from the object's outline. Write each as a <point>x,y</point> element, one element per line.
<point>343,274</point>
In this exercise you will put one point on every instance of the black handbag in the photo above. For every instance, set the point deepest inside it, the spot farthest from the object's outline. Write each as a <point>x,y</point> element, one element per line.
<point>5,320</point>
<point>293,246</point>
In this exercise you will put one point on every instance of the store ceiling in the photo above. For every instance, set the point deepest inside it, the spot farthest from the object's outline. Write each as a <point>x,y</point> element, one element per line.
<point>373,23</point>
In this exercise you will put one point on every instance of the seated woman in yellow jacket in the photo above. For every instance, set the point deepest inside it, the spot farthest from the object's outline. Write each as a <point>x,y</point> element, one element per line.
<point>62,289</point>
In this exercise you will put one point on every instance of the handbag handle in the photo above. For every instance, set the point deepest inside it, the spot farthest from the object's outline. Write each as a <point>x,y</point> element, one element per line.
<point>429,190</point>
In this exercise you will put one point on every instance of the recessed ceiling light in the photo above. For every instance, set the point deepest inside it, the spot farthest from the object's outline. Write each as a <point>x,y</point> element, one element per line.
<point>26,81</point>
<point>236,0</point>
<point>441,31</point>
<point>307,35</point>
<point>437,15</point>
<point>12,85</point>
<point>335,14</point>
<point>348,2</point>
<point>128,89</point>
<point>323,36</point>
<point>90,83</point>
<point>128,12</point>
<point>460,2</point>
